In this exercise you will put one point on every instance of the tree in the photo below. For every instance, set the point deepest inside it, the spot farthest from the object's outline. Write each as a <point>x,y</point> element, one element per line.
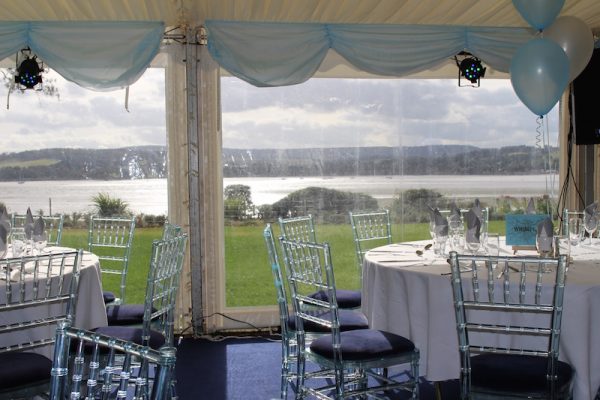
<point>238,202</point>
<point>327,204</point>
<point>107,206</point>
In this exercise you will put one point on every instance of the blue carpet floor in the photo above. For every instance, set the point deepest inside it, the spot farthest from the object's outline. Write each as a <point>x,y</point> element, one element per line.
<point>244,369</point>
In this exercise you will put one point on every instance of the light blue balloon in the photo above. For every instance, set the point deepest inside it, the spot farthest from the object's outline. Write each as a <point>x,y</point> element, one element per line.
<point>539,13</point>
<point>539,74</point>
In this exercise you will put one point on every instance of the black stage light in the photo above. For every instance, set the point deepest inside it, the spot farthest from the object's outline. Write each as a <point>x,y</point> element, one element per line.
<point>29,73</point>
<point>470,68</point>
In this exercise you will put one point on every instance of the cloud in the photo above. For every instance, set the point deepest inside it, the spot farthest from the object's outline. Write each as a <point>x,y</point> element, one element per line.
<point>85,118</point>
<point>318,113</point>
<point>386,112</point>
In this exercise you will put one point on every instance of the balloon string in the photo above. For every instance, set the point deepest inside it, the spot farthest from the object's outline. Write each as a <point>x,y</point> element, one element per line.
<point>539,132</point>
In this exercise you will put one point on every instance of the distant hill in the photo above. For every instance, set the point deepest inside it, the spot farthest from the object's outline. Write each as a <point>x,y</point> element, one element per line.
<point>145,162</point>
<point>75,164</point>
<point>416,160</point>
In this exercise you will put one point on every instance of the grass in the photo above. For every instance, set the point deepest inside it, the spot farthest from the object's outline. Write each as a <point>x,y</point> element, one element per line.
<point>44,162</point>
<point>138,263</point>
<point>248,277</point>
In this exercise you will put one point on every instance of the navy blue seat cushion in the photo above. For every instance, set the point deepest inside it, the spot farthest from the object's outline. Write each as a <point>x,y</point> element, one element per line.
<point>511,373</point>
<point>345,298</point>
<point>125,314</point>
<point>109,297</point>
<point>363,344</point>
<point>349,320</point>
<point>132,334</point>
<point>21,369</point>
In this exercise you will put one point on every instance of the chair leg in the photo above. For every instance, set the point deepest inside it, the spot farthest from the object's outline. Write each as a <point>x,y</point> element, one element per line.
<point>300,365</point>
<point>285,366</point>
<point>437,387</point>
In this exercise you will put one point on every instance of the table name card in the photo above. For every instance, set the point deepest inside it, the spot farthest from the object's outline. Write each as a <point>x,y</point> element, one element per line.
<point>521,229</point>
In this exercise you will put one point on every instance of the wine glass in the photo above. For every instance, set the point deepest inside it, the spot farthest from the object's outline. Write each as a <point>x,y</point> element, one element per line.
<point>473,246</point>
<point>440,244</point>
<point>40,241</point>
<point>18,242</point>
<point>590,223</point>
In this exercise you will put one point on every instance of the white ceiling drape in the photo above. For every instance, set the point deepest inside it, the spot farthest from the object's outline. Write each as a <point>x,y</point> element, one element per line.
<point>276,54</point>
<point>73,49</point>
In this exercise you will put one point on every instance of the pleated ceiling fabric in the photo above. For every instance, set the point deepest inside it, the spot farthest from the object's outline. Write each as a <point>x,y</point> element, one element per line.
<point>94,55</point>
<point>194,12</point>
<point>277,54</point>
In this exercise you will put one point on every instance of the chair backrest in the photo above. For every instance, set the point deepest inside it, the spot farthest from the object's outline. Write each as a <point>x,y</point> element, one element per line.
<point>162,285</point>
<point>298,228</point>
<point>370,229</point>
<point>170,230</point>
<point>309,270</point>
<point>566,216</point>
<point>507,305</point>
<point>36,292</point>
<point>53,226</point>
<point>278,280</point>
<point>110,239</point>
<point>108,373</point>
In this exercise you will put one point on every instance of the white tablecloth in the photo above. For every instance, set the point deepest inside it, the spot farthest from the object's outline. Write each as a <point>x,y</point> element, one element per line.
<point>90,311</point>
<point>410,295</point>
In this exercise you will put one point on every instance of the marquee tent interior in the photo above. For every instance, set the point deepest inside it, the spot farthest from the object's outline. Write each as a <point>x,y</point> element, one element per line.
<point>107,44</point>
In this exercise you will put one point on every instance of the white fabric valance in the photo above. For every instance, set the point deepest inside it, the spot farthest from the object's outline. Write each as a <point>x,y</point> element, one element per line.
<point>95,55</point>
<point>276,54</point>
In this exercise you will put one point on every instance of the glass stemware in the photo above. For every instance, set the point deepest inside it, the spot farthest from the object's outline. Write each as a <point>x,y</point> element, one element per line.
<point>473,246</point>
<point>440,245</point>
<point>18,242</point>
<point>39,242</point>
<point>591,224</point>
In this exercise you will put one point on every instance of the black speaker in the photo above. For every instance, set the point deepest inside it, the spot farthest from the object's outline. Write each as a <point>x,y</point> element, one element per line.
<point>586,91</point>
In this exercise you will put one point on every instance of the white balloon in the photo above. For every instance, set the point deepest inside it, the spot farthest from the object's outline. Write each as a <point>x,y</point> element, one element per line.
<point>576,39</point>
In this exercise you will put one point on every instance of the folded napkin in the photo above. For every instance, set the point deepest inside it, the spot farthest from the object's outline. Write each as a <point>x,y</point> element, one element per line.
<point>29,269</point>
<point>590,212</point>
<point>545,232</point>
<point>39,227</point>
<point>530,207</point>
<point>3,239</point>
<point>473,227</point>
<point>5,219</point>
<point>477,209</point>
<point>440,223</point>
<point>28,223</point>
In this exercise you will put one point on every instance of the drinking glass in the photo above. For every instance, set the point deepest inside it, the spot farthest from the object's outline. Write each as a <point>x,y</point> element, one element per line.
<point>562,246</point>
<point>473,246</point>
<point>39,242</point>
<point>18,242</point>
<point>492,244</point>
<point>483,239</point>
<point>432,229</point>
<point>440,245</point>
<point>576,231</point>
<point>591,224</point>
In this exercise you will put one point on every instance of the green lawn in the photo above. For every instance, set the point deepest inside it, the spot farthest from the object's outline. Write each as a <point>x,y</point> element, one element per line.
<point>138,264</point>
<point>248,277</point>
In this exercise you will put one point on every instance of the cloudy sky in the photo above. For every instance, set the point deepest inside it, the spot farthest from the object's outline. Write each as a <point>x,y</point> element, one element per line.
<point>319,113</point>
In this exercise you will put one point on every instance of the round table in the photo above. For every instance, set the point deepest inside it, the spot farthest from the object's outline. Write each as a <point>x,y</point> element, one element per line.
<point>410,294</point>
<point>90,311</point>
